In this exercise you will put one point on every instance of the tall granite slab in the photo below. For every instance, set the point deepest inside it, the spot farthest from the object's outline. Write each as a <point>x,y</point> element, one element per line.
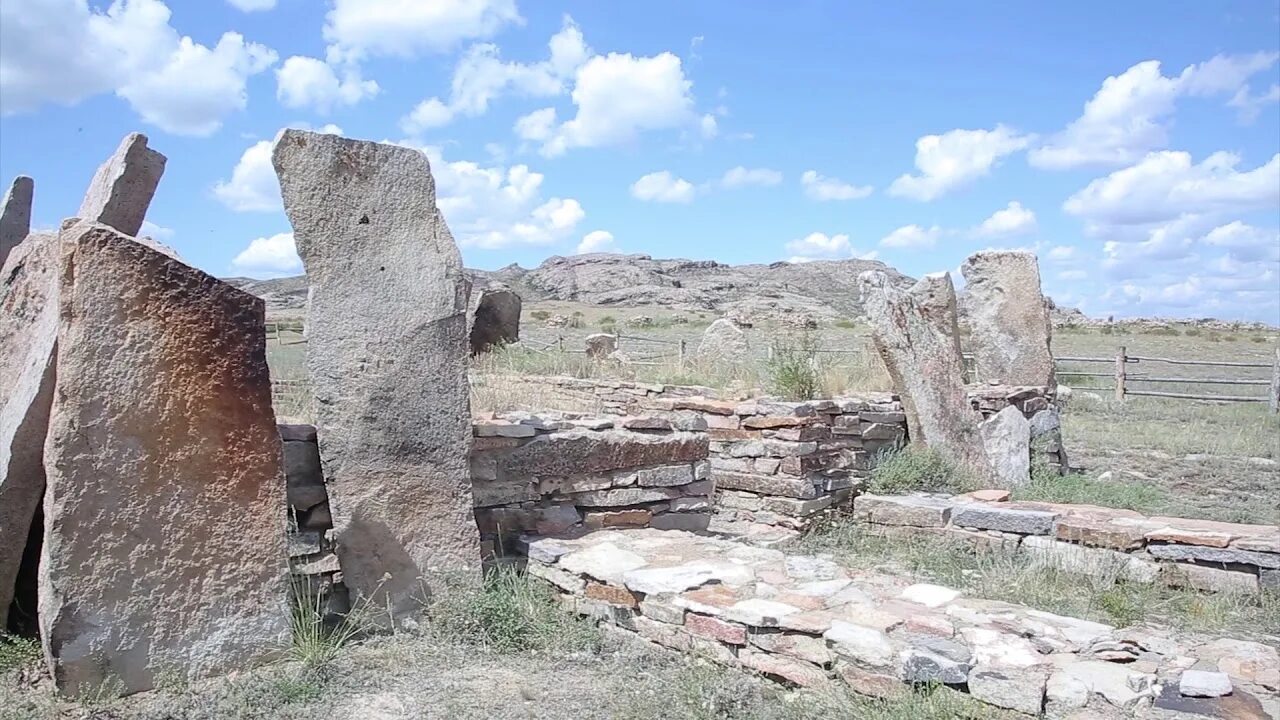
<point>387,356</point>
<point>121,190</point>
<point>1010,328</point>
<point>916,332</point>
<point>493,318</point>
<point>15,215</point>
<point>164,547</point>
<point>28,336</point>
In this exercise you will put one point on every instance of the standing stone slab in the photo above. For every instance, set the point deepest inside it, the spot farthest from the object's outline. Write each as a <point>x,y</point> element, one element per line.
<point>15,215</point>
<point>493,319</point>
<point>1008,319</point>
<point>28,336</point>
<point>387,354</point>
<point>164,546</point>
<point>122,188</point>
<point>723,342</point>
<point>916,333</point>
<point>1007,439</point>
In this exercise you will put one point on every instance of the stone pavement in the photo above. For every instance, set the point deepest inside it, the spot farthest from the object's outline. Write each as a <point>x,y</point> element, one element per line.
<point>808,621</point>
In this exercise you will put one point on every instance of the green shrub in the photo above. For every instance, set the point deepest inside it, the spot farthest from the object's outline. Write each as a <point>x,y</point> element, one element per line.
<point>17,653</point>
<point>920,469</point>
<point>539,314</point>
<point>846,323</point>
<point>1257,339</point>
<point>508,612</point>
<point>793,368</point>
<point>1078,489</point>
<point>607,321</point>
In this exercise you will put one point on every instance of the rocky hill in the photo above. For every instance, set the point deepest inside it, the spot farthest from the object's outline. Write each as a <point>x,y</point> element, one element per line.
<point>822,290</point>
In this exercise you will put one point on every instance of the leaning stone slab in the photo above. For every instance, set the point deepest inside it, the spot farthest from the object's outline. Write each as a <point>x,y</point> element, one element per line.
<point>1008,319</point>
<point>493,318</point>
<point>387,358</point>
<point>28,336</point>
<point>164,548</point>
<point>122,188</point>
<point>15,215</point>
<point>723,342</point>
<point>916,333</point>
<point>1023,522</point>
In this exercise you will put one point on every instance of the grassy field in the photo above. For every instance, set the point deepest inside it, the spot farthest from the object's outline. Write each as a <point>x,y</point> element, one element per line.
<point>1191,458</point>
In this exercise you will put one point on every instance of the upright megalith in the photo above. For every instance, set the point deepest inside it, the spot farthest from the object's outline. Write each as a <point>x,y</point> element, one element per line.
<point>164,547</point>
<point>1009,320</point>
<point>28,336</point>
<point>122,188</point>
<point>387,358</point>
<point>494,319</point>
<point>723,342</point>
<point>15,214</point>
<point>916,332</point>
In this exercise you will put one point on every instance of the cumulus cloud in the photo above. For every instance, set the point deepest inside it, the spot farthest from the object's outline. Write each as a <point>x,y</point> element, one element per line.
<point>617,96</point>
<point>1167,184</point>
<point>956,158</point>
<point>708,126</point>
<point>597,241</point>
<point>745,177</point>
<point>912,236</point>
<point>663,187</point>
<point>493,207</point>
<point>273,256</point>
<point>252,5</point>
<point>358,29</point>
<point>1129,115</point>
<point>481,76</point>
<point>1246,243</point>
<point>820,246</point>
<point>63,51</point>
<point>819,187</point>
<point>309,82</point>
<point>1012,220</point>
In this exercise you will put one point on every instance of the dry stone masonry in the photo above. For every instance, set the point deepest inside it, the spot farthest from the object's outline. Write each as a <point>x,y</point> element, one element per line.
<point>387,330</point>
<point>15,215</point>
<point>164,479</point>
<point>807,621</point>
<point>1008,319</point>
<point>1199,554</point>
<point>558,474</point>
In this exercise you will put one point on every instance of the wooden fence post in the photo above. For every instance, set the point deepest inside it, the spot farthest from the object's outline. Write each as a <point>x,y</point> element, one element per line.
<point>682,352</point>
<point>1120,373</point>
<point>560,342</point>
<point>1274,398</point>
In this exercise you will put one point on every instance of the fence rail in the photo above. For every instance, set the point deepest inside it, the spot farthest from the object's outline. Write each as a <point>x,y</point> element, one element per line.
<point>1123,377</point>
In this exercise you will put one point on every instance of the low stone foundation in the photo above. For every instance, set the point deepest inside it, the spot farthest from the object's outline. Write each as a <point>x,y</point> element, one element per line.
<point>561,474</point>
<point>806,621</point>
<point>1198,554</point>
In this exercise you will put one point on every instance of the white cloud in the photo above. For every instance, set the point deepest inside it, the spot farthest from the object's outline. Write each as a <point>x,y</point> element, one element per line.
<point>912,236</point>
<point>819,187</point>
<point>269,257</point>
<point>1248,105</point>
<point>252,5</point>
<point>1246,243</point>
<point>155,232</point>
<point>357,29</point>
<point>708,126</point>
<point>618,96</point>
<point>496,207</point>
<point>955,158</point>
<point>744,177</point>
<point>62,51</point>
<point>1012,220</point>
<point>597,241</point>
<point>1062,253</point>
<point>1165,185</point>
<point>253,186</point>
<point>310,82</point>
<point>1072,275</point>
<point>1129,114</point>
<point>820,246</point>
<point>481,76</point>
<point>662,187</point>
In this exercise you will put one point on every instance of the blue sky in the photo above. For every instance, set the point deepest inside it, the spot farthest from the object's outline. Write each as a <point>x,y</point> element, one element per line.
<point>1135,146</point>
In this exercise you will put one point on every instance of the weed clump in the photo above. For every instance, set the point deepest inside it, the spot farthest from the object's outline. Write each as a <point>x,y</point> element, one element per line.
<point>920,469</point>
